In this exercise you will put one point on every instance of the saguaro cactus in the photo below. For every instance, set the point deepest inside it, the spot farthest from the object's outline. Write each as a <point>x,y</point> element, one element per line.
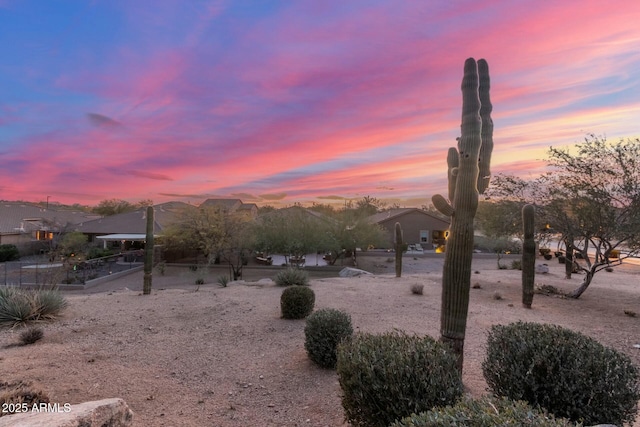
<point>468,173</point>
<point>398,245</point>
<point>528,255</point>
<point>148,253</point>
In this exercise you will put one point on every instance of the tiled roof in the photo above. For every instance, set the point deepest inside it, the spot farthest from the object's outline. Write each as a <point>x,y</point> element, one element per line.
<point>133,222</point>
<point>394,213</point>
<point>17,216</point>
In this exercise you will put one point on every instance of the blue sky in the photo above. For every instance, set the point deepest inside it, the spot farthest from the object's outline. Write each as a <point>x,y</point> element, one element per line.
<point>296,101</point>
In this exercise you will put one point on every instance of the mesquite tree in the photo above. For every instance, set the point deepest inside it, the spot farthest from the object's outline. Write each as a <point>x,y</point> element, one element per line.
<point>528,254</point>
<point>590,201</point>
<point>593,200</point>
<point>469,174</point>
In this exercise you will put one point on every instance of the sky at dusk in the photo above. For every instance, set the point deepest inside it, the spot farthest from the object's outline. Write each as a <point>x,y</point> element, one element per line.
<point>276,102</point>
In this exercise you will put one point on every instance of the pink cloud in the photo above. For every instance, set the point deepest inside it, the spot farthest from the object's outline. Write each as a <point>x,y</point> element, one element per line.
<point>304,89</point>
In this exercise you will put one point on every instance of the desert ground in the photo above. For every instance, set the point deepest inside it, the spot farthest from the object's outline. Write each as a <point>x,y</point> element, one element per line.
<point>190,355</point>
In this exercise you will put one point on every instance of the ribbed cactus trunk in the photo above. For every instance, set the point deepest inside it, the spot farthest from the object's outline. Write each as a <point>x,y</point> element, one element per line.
<point>148,253</point>
<point>398,245</point>
<point>469,174</point>
<point>528,255</point>
<point>568,257</point>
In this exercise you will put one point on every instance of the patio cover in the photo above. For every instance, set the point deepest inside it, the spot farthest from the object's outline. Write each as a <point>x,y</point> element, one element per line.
<point>123,236</point>
<point>128,237</point>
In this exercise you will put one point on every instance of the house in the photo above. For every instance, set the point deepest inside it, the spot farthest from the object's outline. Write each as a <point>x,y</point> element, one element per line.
<point>129,229</point>
<point>418,226</point>
<point>31,227</point>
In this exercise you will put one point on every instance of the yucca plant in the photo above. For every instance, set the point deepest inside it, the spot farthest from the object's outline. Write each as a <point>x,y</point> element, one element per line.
<point>18,306</point>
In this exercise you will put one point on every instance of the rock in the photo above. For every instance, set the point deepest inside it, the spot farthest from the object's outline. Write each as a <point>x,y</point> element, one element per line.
<point>108,412</point>
<point>352,272</point>
<point>542,269</point>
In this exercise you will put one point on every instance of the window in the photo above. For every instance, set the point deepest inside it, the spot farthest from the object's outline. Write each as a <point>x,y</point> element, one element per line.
<point>424,236</point>
<point>44,235</point>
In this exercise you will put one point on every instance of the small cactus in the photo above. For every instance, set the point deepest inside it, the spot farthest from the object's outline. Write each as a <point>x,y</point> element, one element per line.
<point>398,245</point>
<point>528,255</point>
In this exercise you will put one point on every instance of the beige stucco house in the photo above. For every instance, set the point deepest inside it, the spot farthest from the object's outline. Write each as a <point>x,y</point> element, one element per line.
<point>418,226</point>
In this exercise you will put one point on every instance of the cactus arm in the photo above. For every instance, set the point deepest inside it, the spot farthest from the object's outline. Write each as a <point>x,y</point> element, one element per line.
<point>442,205</point>
<point>528,255</point>
<point>452,171</point>
<point>439,202</point>
<point>484,160</point>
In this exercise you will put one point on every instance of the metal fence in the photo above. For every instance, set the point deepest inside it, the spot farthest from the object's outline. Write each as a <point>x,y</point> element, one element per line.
<point>41,272</point>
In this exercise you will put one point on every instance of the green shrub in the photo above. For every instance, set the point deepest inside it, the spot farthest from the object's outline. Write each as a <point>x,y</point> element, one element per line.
<point>98,253</point>
<point>296,302</point>
<point>516,264</point>
<point>565,372</point>
<point>9,253</point>
<point>390,376</point>
<point>485,412</point>
<point>31,335</point>
<point>325,329</point>
<point>292,276</point>
<point>223,281</point>
<point>21,306</point>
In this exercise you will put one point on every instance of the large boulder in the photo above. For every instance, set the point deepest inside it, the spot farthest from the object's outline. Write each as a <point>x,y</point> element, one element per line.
<point>108,412</point>
<point>542,269</point>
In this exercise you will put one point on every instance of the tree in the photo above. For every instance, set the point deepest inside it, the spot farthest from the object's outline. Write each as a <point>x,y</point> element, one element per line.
<point>591,199</point>
<point>72,243</point>
<point>214,232</point>
<point>197,228</point>
<point>265,209</point>
<point>368,206</point>
<point>292,231</point>
<point>349,229</point>
<point>237,243</point>
<point>500,219</point>
<point>323,208</point>
<point>113,206</point>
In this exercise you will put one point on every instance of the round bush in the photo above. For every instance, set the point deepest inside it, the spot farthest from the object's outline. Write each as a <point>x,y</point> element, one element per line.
<point>9,252</point>
<point>296,302</point>
<point>485,412</point>
<point>390,376</point>
<point>291,277</point>
<point>567,373</point>
<point>325,329</point>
